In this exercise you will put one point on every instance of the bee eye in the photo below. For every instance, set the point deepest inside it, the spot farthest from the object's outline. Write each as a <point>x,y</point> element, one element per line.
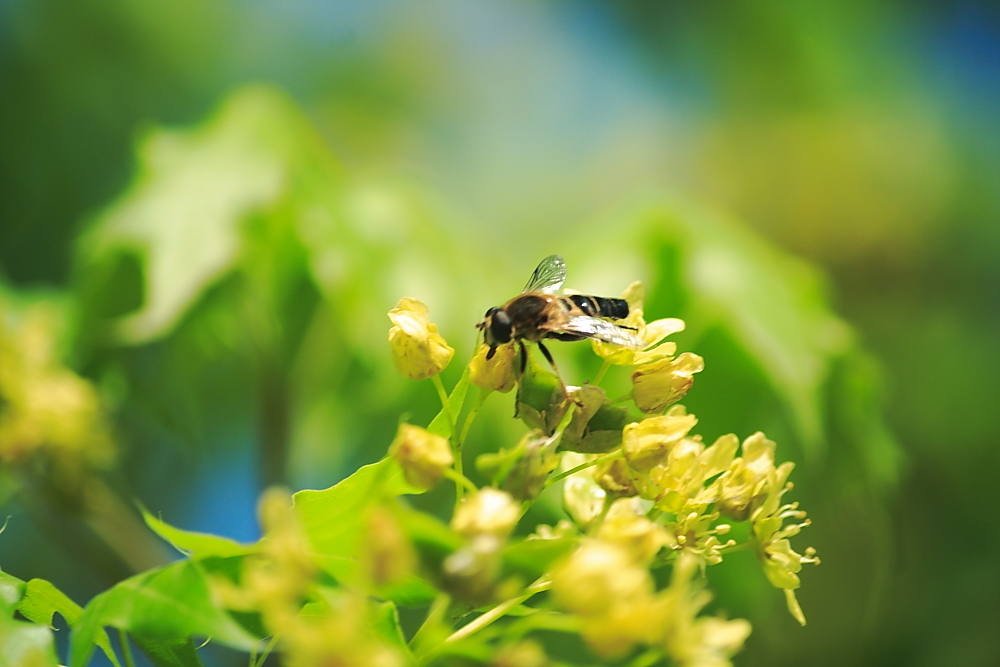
<point>500,326</point>
<point>491,311</point>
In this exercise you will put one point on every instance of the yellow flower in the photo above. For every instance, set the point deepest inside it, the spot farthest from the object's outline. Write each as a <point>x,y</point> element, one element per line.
<point>745,485</point>
<point>649,442</point>
<point>690,640</point>
<point>652,333</point>
<point>660,383</point>
<point>597,575</point>
<point>417,349</point>
<point>46,407</point>
<point>601,583</point>
<point>423,455</point>
<point>781,563</point>
<point>626,526</point>
<point>496,374</point>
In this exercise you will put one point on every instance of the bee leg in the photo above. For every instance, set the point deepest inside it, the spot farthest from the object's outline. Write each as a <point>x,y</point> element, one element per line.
<point>552,362</point>
<point>523,354</point>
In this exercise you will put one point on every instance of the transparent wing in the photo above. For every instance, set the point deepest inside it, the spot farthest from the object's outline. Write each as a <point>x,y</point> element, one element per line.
<point>548,277</point>
<point>594,327</point>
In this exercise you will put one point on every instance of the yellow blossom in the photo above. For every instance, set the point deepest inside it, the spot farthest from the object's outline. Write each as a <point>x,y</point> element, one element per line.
<point>417,349</point>
<point>690,640</point>
<point>648,442</point>
<point>496,374</point>
<point>627,526</point>
<point>423,455</point>
<point>46,406</point>
<point>661,383</point>
<point>597,575</point>
<point>781,563</point>
<point>601,583</point>
<point>652,333</point>
<point>745,485</point>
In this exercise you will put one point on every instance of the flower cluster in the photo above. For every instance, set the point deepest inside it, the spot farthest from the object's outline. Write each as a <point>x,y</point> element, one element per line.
<point>44,406</point>
<point>642,495</point>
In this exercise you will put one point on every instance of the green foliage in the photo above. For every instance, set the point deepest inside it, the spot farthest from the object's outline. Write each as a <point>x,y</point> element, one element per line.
<point>245,266</point>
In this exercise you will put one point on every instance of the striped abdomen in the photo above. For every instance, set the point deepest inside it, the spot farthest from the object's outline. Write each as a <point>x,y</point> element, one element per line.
<point>598,306</point>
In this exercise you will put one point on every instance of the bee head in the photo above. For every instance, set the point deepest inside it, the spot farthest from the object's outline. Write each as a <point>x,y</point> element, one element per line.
<point>496,328</point>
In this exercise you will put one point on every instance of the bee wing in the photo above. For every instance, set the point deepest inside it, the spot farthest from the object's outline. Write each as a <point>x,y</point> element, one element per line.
<point>548,277</point>
<point>609,332</point>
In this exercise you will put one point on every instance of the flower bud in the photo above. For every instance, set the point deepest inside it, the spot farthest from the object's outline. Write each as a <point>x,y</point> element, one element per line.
<point>423,455</point>
<point>661,383</point>
<point>596,576</point>
<point>583,499</point>
<point>614,477</point>
<point>387,553</point>
<point>418,351</point>
<point>496,374</point>
<point>489,512</point>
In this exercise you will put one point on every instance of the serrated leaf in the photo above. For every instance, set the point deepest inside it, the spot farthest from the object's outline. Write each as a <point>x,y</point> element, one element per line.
<point>196,545</point>
<point>166,653</point>
<point>42,599</point>
<point>172,603</point>
<point>193,189</point>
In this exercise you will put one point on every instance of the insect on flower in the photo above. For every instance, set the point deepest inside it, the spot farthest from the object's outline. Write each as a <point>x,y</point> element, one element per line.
<point>540,312</point>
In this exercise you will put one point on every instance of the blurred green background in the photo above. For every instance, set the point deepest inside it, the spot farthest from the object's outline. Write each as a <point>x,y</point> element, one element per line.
<point>215,204</point>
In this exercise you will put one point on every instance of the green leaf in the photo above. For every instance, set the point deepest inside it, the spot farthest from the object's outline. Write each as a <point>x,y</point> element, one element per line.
<point>386,623</point>
<point>430,536</point>
<point>536,557</point>
<point>183,213</point>
<point>166,653</point>
<point>42,599</point>
<point>11,592</point>
<point>196,545</point>
<point>773,305</point>
<point>410,592</point>
<point>334,518</point>
<point>172,603</point>
<point>26,644</point>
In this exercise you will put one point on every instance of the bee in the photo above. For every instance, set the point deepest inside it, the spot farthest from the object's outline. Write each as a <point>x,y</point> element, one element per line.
<point>540,312</point>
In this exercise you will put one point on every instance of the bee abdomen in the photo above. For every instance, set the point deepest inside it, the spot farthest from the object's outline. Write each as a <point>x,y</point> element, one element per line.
<point>598,306</point>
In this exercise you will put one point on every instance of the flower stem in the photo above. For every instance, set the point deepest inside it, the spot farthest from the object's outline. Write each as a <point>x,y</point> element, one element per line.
<point>499,611</point>
<point>267,650</point>
<point>460,480</point>
<point>583,466</point>
<point>446,404</point>
<point>126,649</point>
<point>600,374</point>
<point>434,616</point>
<point>483,393</point>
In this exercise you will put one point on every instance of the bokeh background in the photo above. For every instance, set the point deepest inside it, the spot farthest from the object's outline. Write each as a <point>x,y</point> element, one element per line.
<point>207,208</point>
